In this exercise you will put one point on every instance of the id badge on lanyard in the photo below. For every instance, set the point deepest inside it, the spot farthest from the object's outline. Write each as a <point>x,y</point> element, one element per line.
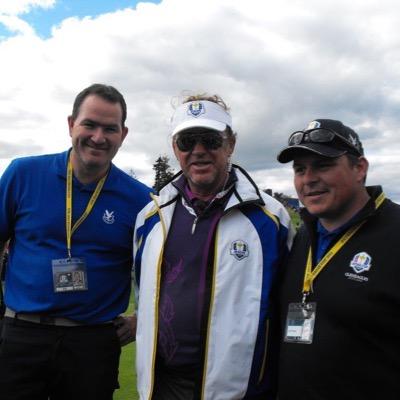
<point>300,323</point>
<point>300,320</point>
<point>70,274</point>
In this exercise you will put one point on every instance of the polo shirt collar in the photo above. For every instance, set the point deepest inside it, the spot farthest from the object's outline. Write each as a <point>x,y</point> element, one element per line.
<point>111,182</point>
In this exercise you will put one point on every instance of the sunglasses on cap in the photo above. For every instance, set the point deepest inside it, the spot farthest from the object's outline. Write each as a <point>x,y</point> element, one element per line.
<point>319,135</point>
<point>210,140</point>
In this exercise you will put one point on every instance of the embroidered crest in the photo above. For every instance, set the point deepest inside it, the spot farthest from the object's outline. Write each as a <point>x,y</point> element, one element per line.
<point>353,141</point>
<point>196,108</point>
<point>239,249</point>
<point>313,125</point>
<point>108,217</point>
<point>361,262</point>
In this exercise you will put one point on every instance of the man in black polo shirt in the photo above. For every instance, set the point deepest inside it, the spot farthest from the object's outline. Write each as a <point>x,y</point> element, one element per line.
<point>340,294</point>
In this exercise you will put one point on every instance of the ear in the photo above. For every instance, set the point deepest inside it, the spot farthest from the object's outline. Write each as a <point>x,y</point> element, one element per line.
<point>231,144</point>
<point>124,133</point>
<point>362,168</point>
<point>70,124</point>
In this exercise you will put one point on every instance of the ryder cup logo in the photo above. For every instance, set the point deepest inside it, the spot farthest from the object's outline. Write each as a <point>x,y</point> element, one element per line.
<point>361,262</point>
<point>196,108</point>
<point>239,249</point>
<point>108,217</point>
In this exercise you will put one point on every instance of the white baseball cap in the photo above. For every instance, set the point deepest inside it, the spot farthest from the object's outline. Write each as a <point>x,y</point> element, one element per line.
<point>200,114</point>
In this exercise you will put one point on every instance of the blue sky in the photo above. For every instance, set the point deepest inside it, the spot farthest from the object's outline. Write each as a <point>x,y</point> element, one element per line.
<point>42,19</point>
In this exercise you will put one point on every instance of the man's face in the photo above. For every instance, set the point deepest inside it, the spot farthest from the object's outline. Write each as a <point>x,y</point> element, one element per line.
<point>205,168</point>
<point>97,133</point>
<point>330,188</point>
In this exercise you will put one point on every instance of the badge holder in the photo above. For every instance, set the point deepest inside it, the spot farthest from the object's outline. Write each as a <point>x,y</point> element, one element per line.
<point>69,275</point>
<point>300,323</point>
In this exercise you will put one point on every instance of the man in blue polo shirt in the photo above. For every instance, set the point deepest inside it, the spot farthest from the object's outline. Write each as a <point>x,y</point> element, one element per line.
<point>69,218</point>
<point>207,251</point>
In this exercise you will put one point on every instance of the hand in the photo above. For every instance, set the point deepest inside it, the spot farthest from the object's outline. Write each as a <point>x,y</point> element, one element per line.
<point>126,329</point>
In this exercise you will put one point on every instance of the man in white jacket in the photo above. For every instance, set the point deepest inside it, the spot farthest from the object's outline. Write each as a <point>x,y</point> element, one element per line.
<point>207,251</point>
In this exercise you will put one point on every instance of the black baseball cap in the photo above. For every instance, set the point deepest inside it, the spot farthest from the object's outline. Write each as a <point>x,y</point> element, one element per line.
<point>325,137</point>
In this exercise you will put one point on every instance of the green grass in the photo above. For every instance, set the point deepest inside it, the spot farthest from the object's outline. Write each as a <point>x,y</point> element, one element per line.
<point>295,217</point>
<point>127,372</point>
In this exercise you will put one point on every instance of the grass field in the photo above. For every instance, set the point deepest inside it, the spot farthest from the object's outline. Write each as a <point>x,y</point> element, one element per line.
<point>127,373</point>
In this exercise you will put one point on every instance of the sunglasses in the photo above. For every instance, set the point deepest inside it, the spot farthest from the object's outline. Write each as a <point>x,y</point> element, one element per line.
<point>210,140</point>
<point>319,135</point>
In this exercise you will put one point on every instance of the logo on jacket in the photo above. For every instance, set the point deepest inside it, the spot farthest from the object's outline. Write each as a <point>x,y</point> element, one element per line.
<point>361,262</point>
<point>108,217</point>
<point>239,249</point>
<point>196,108</point>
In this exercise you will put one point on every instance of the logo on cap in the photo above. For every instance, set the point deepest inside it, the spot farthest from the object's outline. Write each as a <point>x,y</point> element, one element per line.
<point>313,125</point>
<point>239,249</point>
<point>353,141</point>
<point>196,108</point>
<point>361,262</point>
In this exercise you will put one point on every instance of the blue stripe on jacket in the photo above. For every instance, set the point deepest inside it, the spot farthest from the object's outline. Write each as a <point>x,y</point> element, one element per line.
<point>141,234</point>
<point>274,246</point>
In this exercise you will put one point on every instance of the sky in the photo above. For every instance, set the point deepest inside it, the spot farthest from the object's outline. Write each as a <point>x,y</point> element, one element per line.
<point>277,64</point>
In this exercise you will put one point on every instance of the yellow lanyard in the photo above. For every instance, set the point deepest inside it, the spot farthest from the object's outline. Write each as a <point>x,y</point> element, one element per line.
<point>311,274</point>
<point>68,209</point>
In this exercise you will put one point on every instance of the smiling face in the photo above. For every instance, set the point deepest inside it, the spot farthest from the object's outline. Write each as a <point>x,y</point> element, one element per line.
<point>205,169</point>
<point>97,133</point>
<point>331,189</point>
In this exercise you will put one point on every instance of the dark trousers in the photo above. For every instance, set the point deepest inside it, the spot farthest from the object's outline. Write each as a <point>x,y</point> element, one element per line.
<point>174,383</point>
<point>180,384</point>
<point>41,362</point>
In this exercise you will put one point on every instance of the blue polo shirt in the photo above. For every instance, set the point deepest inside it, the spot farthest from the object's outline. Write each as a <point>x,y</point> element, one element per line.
<point>325,237</point>
<point>32,215</point>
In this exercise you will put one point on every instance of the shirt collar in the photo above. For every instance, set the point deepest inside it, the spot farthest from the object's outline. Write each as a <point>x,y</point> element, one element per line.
<point>61,170</point>
<point>183,187</point>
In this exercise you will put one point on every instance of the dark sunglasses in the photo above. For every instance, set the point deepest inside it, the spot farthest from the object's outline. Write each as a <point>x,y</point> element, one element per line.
<point>319,135</point>
<point>210,140</point>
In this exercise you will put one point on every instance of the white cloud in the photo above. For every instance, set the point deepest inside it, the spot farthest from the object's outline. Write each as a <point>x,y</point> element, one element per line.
<point>16,7</point>
<point>11,9</point>
<point>277,64</point>
<point>15,24</point>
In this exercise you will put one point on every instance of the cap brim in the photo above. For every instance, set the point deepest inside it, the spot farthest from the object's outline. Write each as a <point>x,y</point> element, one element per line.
<point>200,123</point>
<point>290,152</point>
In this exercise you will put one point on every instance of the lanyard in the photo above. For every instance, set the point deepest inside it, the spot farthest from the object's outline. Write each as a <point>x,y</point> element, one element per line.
<point>68,205</point>
<point>311,274</point>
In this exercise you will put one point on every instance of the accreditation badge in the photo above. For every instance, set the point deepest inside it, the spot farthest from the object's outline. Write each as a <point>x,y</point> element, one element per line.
<point>69,275</point>
<point>300,323</point>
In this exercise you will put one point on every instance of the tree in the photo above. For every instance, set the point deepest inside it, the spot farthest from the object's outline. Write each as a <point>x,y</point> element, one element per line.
<point>163,172</point>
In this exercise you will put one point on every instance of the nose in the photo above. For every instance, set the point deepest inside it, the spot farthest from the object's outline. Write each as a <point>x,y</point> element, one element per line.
<point>199,148</point>
<point>98,135</point>
<point>309,176</point>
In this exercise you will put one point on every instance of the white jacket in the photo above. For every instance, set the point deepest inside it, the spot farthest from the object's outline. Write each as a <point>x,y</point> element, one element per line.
<point>252,237</point>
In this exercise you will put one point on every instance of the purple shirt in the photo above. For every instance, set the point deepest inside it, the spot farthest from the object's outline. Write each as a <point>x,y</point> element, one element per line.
<point>185,266</point>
